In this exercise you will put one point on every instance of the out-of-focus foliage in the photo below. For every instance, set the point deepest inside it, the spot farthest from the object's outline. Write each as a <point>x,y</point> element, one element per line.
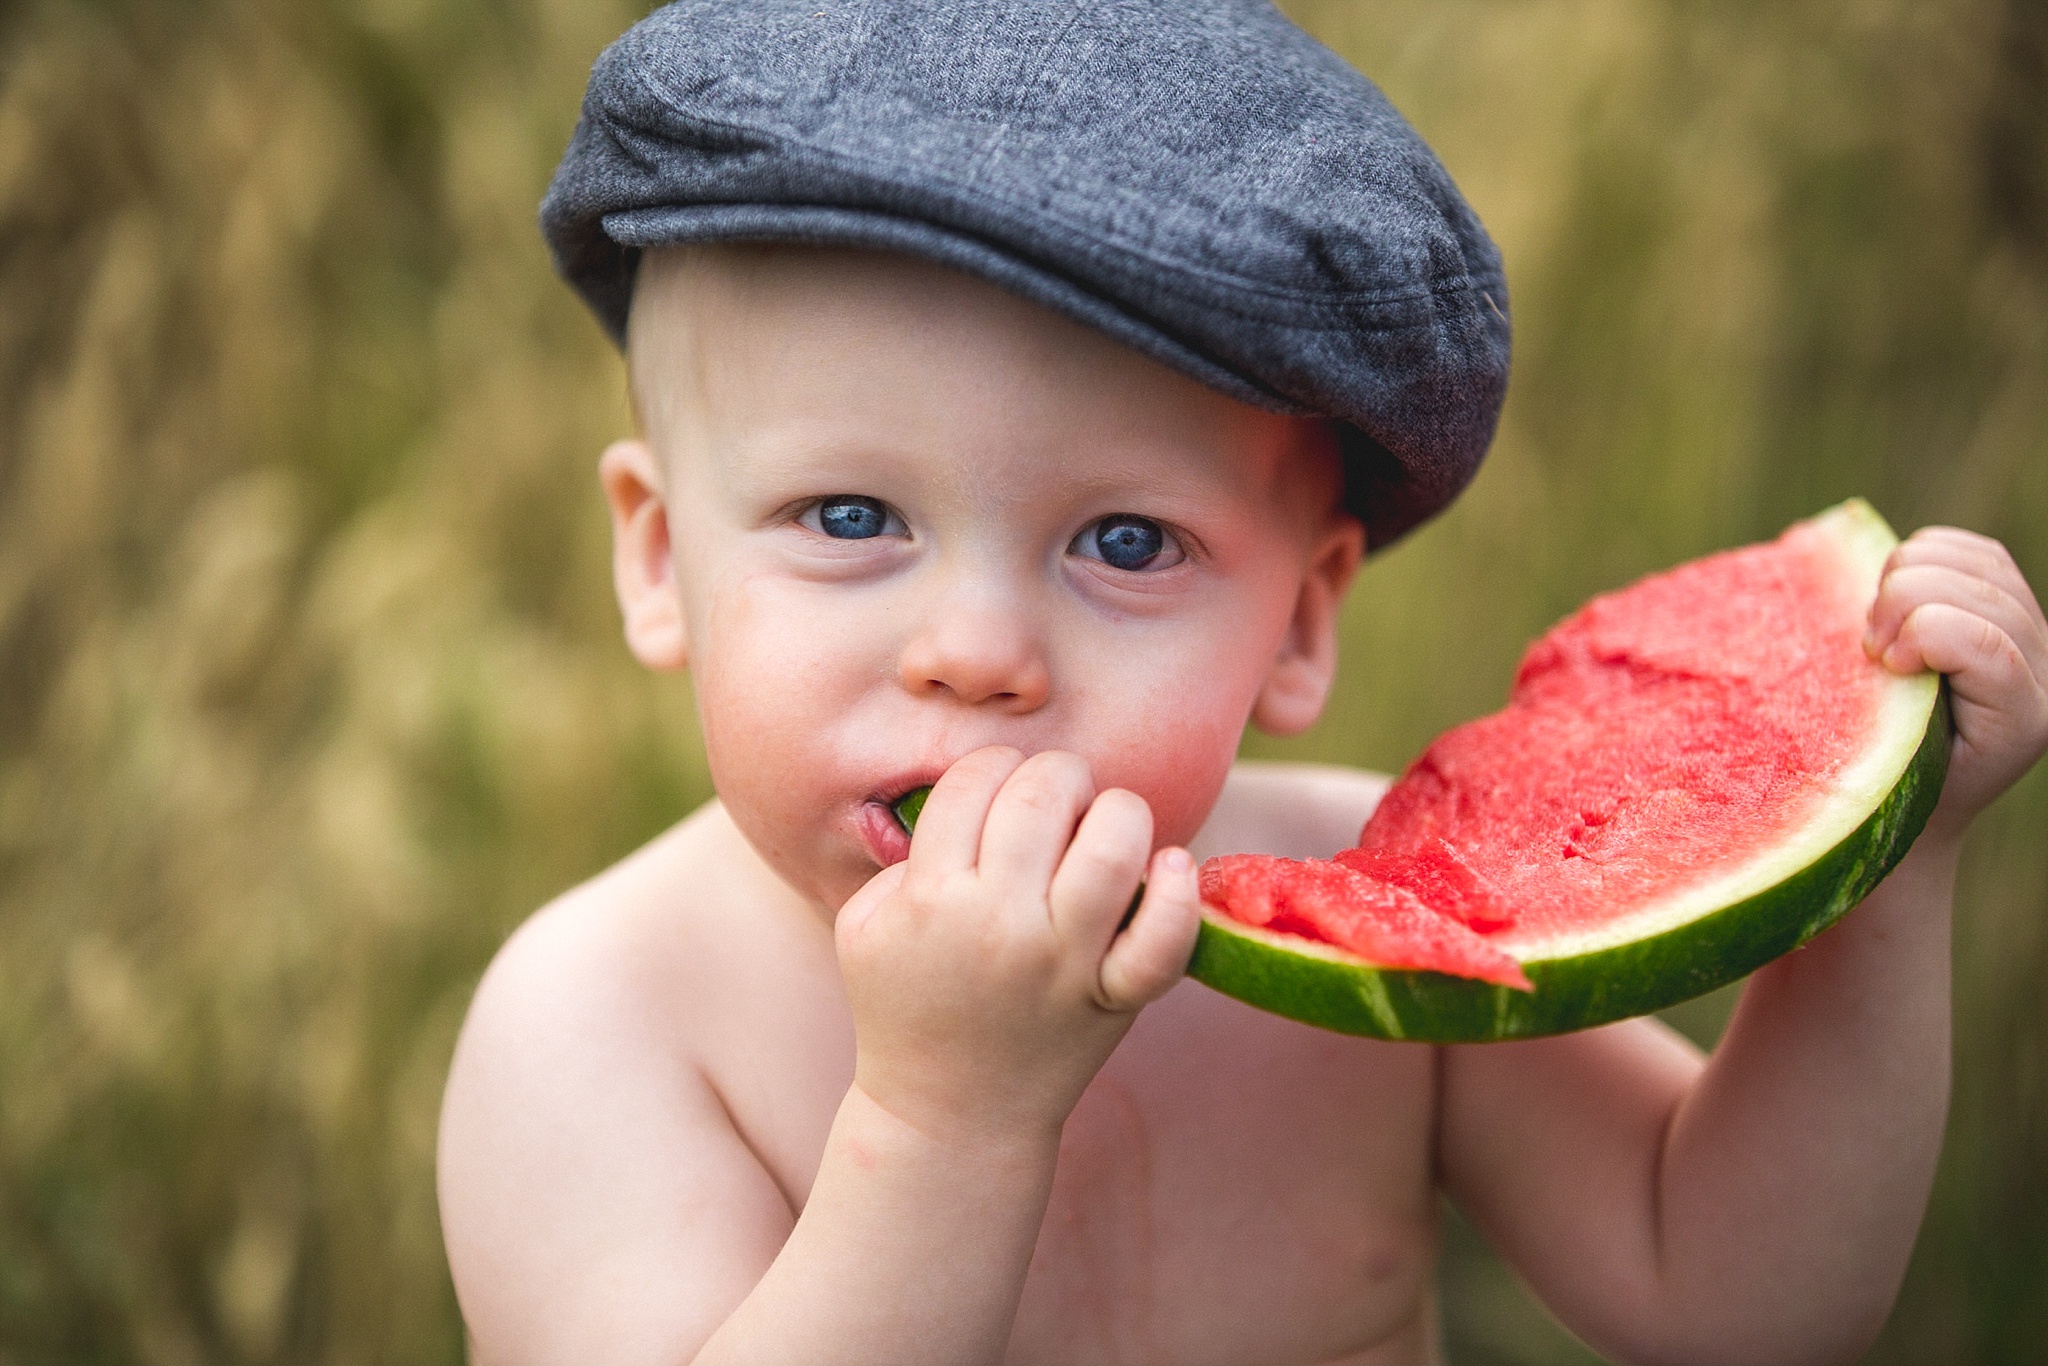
<point>309,682</point>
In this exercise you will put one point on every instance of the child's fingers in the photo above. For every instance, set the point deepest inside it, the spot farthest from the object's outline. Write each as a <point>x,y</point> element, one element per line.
<point>949,828</point>
<point>1967,551</point>
<point>1982,661</point>
<point>860,908</point>
<point>1032,819</point>
<point>1978,556</point>
<point>1153,951</point>
<point>1911,587</point>
<point>1101,871</point>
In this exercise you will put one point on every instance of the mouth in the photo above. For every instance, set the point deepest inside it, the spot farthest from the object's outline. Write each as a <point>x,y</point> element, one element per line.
<point>880,818</point>
<point>905,783</point>
<point>887,841</point>
<point>910,806</point>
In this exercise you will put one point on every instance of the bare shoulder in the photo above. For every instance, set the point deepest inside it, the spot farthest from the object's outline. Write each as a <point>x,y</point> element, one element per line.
<point>612,947</point>
<point>1296,810</point>
<point>581,1108</point>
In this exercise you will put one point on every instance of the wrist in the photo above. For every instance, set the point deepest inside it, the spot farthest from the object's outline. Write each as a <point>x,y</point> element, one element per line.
<point>907,1247</point>
<point>1927,873</point>
<point>990,1142</point>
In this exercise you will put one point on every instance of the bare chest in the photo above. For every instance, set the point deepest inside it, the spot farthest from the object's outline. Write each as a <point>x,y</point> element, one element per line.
<point>1232,1188</point>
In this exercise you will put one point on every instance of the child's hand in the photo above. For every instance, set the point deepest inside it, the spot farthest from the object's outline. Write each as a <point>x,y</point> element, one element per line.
<point>986,974</point>
<point>1954,601</point>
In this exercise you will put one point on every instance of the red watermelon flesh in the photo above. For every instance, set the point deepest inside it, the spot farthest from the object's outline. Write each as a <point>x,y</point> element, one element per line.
<point>1331,904</point>
<point>1439,879</point>
<point>1658,736</point>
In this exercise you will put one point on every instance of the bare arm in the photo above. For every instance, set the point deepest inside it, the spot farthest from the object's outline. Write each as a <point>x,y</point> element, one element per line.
<point>600,1206</point>
<point>1761,1206</point>
<point>1757,1207</point>
<point>913,1247</point>
<point>596,1201</point>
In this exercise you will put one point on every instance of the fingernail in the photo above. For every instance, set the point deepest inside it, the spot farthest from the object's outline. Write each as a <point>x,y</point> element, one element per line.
<point>1175,861</point>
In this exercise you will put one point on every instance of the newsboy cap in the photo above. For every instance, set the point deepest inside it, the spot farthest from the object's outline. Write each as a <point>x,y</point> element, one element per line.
<point>1199,179</point>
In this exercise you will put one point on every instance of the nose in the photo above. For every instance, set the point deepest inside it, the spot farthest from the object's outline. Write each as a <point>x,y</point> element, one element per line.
<point>982,648</point>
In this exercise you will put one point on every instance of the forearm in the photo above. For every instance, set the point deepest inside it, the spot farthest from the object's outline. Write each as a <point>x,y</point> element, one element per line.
<point>912,1248</point>
<point>1795,1172</point>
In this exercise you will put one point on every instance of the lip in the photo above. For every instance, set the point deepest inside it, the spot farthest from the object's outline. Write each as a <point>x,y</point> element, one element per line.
<point>891,790</point>
<point>875,819</point>
<point>887,842</point>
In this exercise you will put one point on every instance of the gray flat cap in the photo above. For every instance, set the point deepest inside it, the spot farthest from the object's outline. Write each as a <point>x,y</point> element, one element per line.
<point>1197,178</point>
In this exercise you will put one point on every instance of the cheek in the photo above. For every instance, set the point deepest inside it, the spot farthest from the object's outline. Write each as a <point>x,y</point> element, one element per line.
<point>739,671</point>
<point>776,678</point>
<point>773,648</point>
<point>1178,768</point>
<point>1181,721</point>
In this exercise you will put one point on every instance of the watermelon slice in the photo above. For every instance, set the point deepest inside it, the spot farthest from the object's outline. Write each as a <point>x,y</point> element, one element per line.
<point>1692,776</point>
<point>1377,920</point>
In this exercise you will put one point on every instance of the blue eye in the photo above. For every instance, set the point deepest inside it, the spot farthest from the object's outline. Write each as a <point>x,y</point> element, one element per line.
<point>1128,542</point>
<point>847,518</point>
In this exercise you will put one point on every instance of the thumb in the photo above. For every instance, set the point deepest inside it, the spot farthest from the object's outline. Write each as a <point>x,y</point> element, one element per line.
<point>1152,952</point>
<point>860,908</point>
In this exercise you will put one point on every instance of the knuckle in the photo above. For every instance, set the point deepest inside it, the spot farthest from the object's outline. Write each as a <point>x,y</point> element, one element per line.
<point>928,892</point>
<point>992,760</point>
<point>1954,535</point>
<point>1920,544</point>
<point>1911,625</point>
<point>1106,863</point>
<point>983,770</point>
<point>1923,617</point>
<point>1050,781</point>
<point>1120,803</point>
<point>1148,977</point>
<point>1954,547</point>
<point>916,899</point>
<point>1914,584</point>
<point>1034,795</point>
<point>1067,770</point>
<point>1122,823</point>
<point>1124,978</point>
<point>1990,593</point>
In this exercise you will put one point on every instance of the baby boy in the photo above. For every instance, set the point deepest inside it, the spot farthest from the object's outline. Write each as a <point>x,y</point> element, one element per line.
<point>1019,390</point>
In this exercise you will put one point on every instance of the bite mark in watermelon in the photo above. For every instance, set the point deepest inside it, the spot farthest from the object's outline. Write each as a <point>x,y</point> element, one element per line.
<point>1439,879</point>
<point>1335,904</point>
<point>1692,776</point>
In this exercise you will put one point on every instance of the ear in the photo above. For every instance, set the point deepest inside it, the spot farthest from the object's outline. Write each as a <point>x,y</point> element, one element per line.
<point>1299,682</point>
<point>643,567</point>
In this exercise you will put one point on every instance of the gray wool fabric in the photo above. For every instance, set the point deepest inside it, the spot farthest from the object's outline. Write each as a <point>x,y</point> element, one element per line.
<point>1199,179</point>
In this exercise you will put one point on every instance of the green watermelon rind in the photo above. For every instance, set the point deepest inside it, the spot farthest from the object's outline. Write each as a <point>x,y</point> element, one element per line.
<point>1338,992</point>
<point>1325,986</point>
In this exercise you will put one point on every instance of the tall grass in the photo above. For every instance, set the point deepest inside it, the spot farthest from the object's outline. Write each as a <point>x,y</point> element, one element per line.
<point>309,679</point>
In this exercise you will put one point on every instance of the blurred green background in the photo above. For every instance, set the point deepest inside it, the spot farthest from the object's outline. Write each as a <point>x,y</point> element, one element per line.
<point>310,684</point>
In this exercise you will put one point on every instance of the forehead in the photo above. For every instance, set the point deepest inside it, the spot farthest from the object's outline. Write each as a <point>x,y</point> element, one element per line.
<point>728,341</point>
